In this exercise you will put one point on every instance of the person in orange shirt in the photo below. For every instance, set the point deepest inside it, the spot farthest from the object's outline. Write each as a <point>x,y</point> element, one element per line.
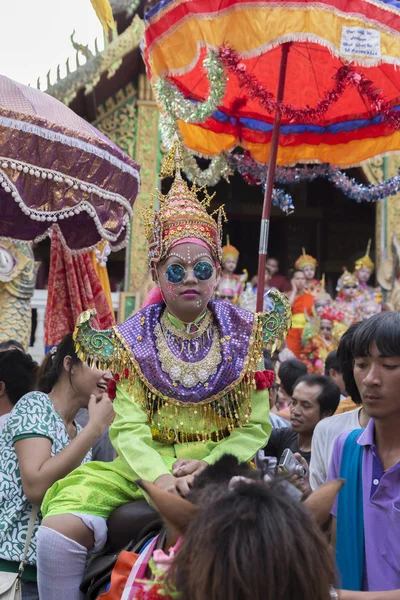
<point>301,302</point>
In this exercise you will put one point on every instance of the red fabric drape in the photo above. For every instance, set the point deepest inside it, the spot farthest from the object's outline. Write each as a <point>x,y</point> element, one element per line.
<point>73,287</point>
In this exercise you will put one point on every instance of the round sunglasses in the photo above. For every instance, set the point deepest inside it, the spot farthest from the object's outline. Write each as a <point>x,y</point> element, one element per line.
<point>175,273</point>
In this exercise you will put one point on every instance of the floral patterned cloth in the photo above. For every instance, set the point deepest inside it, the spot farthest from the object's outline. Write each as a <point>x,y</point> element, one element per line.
<point>74,286</point>
<point>33,416</point>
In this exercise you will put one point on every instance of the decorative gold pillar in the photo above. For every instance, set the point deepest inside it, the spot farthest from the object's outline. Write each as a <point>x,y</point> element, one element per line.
<point>388,209</point>
<point>147,153</point>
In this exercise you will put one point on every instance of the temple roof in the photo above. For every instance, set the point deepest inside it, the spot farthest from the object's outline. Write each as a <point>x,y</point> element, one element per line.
<point>107,62</point>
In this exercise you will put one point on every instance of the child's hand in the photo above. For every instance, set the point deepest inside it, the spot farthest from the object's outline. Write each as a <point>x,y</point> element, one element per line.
<point>186,466</point>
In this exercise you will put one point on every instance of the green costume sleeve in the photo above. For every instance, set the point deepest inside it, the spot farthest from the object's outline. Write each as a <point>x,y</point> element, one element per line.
<point>130,435</point>
<point>244,442</point>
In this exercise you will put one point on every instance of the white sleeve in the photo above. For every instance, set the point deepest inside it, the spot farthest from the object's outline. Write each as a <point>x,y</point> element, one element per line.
<point>318,472</point>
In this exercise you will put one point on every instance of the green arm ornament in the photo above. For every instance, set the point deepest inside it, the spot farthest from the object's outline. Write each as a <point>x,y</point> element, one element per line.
<point>106,350</point>
<point>100,348</point>
<point>276,323</point>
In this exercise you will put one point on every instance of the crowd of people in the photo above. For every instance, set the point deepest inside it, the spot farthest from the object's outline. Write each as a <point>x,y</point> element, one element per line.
<point>187,382</point>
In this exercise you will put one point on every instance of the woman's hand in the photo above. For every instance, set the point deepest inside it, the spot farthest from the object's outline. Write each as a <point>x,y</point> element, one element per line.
<point>184,466</point>
<point>101,412</point>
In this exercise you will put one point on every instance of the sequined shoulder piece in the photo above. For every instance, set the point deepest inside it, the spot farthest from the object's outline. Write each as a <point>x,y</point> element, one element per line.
<point>102,348</point>
<point>277,322</point>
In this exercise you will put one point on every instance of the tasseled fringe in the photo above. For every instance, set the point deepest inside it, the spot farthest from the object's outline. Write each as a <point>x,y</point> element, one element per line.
<point>172,421</point>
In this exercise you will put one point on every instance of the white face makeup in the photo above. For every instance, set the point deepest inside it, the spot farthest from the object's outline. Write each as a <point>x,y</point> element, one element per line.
<point>309,272</point>
<point>350,290</point>
<point>187,279</point>
<point>230,265</point>
<point>326,329</point>
<point>363,274</point>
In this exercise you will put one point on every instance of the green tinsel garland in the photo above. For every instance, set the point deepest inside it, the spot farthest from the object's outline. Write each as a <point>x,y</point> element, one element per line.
<point>176,107</point>
<point>174,103</point>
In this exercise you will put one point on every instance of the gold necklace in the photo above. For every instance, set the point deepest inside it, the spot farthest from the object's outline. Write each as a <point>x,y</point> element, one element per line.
<point>186,373</point>
<point>171,329</point>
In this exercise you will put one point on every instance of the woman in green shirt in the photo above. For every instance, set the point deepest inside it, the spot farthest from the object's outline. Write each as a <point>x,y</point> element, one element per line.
<point>186,394</point>
<point>40,443</point>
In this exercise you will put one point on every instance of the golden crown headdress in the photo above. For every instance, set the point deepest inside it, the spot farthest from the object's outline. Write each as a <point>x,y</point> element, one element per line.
<point>365,262</point>
<point>305,260</point>
<point>322,295</point>
<point>229,251</point>
<point>346,279</point>
<point>181,214</point>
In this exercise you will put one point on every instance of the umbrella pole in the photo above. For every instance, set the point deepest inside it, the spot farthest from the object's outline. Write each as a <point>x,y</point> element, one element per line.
<point>266,213</point>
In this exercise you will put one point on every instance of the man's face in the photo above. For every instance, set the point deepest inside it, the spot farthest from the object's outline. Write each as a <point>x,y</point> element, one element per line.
<point>273,265</point>
<point>305,411</point>
<point>378,381</point>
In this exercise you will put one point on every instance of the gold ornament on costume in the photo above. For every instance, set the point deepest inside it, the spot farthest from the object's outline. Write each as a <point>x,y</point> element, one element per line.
<point>189,374</point>
<point>305,260</point>
<point>229,251</point>
<point>181,214</point>
<point>322,295</point>
<point>365,262</point>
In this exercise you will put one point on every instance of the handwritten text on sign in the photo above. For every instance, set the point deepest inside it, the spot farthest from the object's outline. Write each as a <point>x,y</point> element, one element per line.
<point>357,41</point>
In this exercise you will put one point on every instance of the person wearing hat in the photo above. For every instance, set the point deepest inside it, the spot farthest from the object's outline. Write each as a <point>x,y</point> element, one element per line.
<point>308,265</point>
<point>363,269</point>
<point>349,300</point>
<point>230,286</point>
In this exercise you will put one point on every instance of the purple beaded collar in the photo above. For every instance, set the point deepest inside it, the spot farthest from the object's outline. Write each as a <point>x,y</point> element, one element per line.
<point>235,328</point>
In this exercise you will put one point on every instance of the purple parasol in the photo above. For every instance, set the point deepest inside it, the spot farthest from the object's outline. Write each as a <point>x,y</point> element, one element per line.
<point>57,168</point>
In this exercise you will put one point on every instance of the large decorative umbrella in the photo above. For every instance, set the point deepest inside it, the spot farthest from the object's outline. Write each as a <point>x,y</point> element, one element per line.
<point>55,168</point>
<point>307,82</point>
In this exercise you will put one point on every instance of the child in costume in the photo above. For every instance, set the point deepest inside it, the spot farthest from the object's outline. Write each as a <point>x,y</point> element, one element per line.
<point>308,265</point>
<point>186,393</point>
<point>363,269</point>
<point>230,286</point>
<point>302,303</point>
<point>370,298</point>
<point>327,330</point>
<point>322,301</point>
<point>349,301</point>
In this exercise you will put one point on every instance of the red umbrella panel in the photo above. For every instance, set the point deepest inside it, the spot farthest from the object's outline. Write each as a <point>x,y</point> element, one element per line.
<point>306,82</point>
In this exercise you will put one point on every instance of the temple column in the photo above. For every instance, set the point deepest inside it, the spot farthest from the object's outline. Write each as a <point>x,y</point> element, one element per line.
<point>147,155</point>
<point>388,209</point>
<point>130,120</point>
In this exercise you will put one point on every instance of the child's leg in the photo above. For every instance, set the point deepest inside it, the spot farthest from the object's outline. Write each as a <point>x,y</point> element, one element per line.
<point>63,544</point>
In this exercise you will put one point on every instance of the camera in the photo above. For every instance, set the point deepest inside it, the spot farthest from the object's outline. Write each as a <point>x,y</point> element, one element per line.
<point>289,463</point>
